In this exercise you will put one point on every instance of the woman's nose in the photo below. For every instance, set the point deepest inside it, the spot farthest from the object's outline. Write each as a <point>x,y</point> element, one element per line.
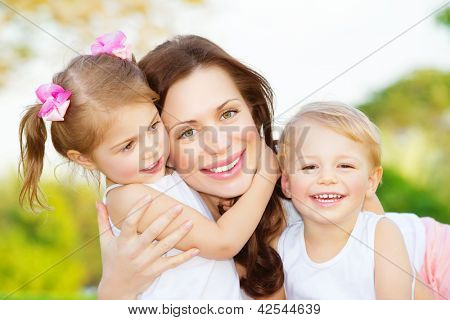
<point>215,141</point>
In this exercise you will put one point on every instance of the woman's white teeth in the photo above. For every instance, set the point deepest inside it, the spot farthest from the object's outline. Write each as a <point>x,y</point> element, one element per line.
<point>327,196</point>
<point>225,168</point>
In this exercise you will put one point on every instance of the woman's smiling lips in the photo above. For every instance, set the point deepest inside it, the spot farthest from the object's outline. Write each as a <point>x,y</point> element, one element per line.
<point>225,169</point>
<point>153,168</point>
<point>327,199</point>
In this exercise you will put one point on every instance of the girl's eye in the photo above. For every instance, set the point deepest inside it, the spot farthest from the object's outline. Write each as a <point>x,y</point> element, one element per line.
<point>128,147</point>
<point>154,126</point>
<point>189,133</point>
<point>228,114</point>
<point>309,167</point>
<point>346,166</point>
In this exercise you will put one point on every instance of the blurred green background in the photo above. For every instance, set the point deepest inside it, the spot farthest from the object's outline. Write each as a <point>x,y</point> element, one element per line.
<point>413,114</point>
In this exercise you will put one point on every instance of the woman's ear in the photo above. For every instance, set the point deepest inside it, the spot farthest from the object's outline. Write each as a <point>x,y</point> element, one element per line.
<point>82,160</point>
<point>374,180</point>
<point>285,186</point>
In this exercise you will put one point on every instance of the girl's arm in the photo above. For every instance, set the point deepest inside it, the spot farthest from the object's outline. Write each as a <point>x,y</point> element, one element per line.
<point>393,273</point>
<point>373,204</point>
<point>215,240</point>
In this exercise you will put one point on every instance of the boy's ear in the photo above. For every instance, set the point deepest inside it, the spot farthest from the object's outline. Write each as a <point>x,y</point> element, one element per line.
<point>82,160</point>
<point>285,186</point>
<point>374,180</point>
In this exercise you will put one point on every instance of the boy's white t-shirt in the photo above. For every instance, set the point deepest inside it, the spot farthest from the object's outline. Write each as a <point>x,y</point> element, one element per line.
<point>198,278</point>
<point>350,274</point>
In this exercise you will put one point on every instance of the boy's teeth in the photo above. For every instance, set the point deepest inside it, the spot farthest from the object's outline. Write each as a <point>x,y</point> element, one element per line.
<point>224,168</point>
<point>328,196</point>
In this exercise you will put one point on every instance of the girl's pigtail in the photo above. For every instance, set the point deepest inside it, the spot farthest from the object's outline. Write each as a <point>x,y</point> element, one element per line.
<point>32,137</point>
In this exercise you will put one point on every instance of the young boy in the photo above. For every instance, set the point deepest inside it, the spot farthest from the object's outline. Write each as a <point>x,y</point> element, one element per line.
<point>330,157</point>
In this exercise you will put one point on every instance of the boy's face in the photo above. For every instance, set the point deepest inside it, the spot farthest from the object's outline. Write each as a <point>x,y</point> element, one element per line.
<point>330,174</point>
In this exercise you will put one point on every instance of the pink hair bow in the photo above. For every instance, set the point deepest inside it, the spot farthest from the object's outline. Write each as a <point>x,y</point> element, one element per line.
<point>55,101</point>
<point>112,43</point>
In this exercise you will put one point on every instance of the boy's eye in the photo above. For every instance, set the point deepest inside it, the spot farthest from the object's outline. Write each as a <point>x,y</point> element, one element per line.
<point>346,166</point>
<point>309,167</point>
<point>228,114</point>
<point>187,133</point>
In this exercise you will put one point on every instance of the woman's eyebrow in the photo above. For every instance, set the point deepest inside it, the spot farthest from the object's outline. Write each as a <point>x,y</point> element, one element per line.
<point>225,103</point>
<point>193,121</point>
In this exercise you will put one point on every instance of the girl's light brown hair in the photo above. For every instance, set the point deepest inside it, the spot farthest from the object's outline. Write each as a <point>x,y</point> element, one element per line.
<point>175,59</point>
<point>99,84</point>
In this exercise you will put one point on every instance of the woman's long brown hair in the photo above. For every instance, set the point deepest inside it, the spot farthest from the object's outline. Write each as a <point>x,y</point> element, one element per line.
<point>176,59</point>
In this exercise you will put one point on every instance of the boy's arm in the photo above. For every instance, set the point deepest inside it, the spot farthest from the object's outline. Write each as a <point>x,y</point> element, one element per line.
<point>393,274</point>
<point>221,240</point>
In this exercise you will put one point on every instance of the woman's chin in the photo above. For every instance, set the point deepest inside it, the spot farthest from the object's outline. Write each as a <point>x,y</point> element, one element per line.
<point>225,189</point>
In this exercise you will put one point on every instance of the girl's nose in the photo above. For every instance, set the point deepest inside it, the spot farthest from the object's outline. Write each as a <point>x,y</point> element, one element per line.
<point>149,146</point>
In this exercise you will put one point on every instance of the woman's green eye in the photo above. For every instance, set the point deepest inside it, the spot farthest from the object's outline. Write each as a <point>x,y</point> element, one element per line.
<point>228,114</point>
<point>188,133</point>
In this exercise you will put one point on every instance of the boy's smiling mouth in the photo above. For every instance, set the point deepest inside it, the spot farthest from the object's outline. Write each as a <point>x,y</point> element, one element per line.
<point>327,199</point>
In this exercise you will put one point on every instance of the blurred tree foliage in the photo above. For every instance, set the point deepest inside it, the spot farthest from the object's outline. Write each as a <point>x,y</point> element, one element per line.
<point>413,115</point>
<point>444,17</point>
<point>32,243</point>
<point>76,23</point>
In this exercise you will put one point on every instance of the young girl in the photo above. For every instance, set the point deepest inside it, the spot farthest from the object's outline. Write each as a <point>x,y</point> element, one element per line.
<point>103,117</point>
<point>330,159</point>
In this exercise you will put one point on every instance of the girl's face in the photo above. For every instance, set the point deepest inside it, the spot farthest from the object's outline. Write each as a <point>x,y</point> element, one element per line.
<point>135,147</point>
<point>211,132</point>
<point>330,177</point>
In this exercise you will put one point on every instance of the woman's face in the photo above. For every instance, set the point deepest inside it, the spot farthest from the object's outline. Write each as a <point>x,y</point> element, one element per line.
<point>212,134</point>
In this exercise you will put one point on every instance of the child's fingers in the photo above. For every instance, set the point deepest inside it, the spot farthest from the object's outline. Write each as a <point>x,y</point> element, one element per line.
<point>104,228</point>
<point>130,224</point>
<point>157,227</point>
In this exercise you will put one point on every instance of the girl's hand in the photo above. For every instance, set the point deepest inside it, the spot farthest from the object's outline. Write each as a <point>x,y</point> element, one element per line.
<point>131,262</point>
<point>268,166</point>
<point>373,204</point>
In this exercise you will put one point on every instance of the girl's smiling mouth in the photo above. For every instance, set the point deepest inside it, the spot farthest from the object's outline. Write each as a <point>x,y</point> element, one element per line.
<point>153,168</point>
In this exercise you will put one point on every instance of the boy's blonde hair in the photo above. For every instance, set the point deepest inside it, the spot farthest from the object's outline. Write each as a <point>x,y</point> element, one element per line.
<point>339,117</point>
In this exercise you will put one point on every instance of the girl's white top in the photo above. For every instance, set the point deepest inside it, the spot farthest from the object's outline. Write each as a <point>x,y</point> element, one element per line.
<point>198,278</point>
<point>350,274</point>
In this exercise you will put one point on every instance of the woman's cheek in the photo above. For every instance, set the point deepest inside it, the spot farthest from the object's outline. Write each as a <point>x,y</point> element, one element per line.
<point>182,157</point>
